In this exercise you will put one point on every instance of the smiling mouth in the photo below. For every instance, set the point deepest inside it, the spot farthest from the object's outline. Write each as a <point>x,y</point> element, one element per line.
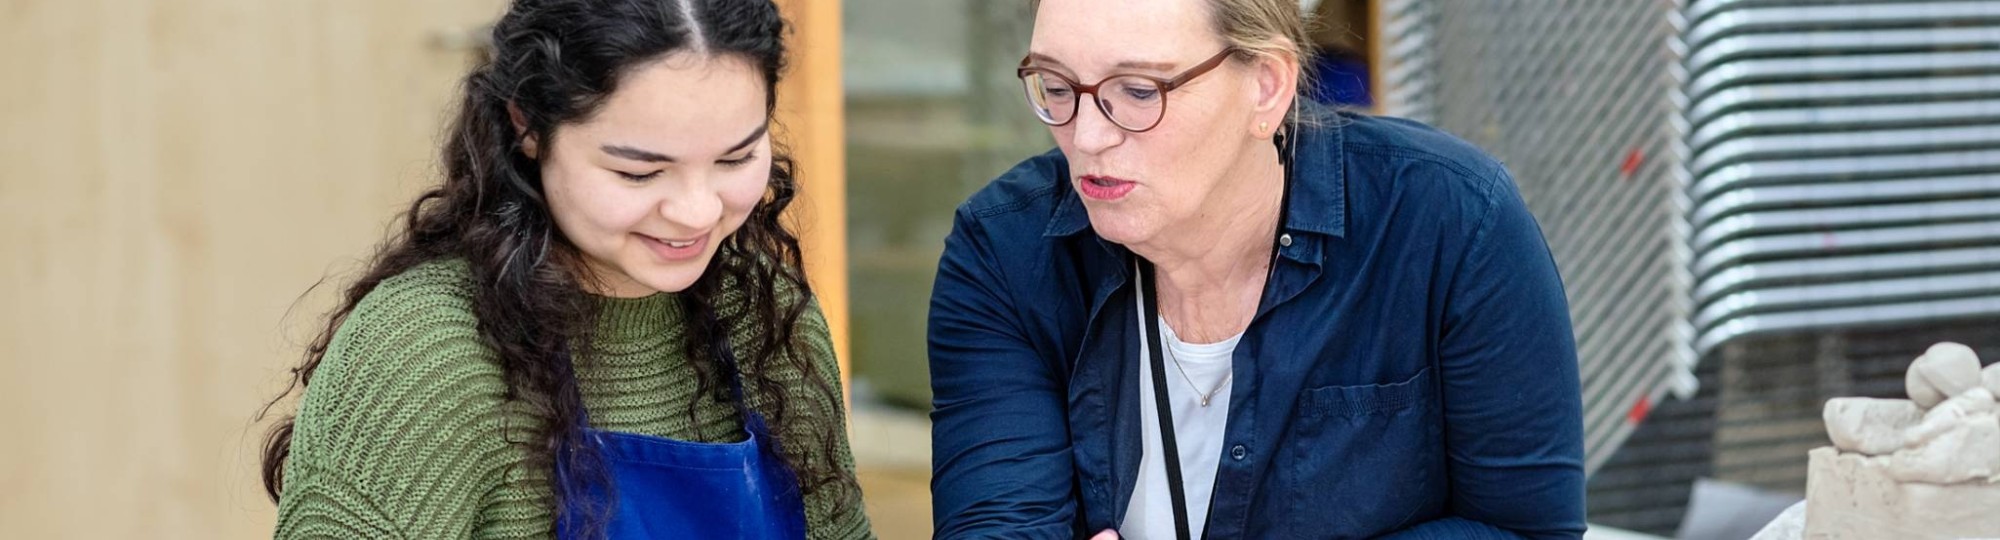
<point>675,249</point>
<point>679,243</point>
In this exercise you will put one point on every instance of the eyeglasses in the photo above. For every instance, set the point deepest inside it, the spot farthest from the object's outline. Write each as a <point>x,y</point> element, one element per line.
<point>1133,102</point>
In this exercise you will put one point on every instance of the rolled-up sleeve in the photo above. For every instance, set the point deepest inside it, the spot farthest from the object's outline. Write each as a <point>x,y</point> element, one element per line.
<point>1000,443</point>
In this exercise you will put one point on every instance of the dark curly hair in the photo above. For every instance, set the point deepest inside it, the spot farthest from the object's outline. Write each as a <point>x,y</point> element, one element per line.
<point>557,61</point>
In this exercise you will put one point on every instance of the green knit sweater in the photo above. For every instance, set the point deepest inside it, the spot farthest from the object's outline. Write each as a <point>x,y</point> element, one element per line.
<point>404,431</point>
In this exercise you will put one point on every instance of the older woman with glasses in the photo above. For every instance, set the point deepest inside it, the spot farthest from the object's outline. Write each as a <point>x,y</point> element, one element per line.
<point>1217,312</point>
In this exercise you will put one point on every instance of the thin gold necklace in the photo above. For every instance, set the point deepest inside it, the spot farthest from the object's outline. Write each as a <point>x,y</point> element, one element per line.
<point>1190,380</point>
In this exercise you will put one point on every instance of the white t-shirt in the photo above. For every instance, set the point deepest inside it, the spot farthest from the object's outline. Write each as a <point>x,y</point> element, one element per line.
<point>1197,432</point>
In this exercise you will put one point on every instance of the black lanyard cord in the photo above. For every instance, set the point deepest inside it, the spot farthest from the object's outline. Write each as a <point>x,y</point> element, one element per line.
<point>1170,452</point>
<point>1155,331</point>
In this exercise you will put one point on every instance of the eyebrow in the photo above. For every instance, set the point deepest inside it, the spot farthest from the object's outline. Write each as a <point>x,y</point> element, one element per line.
<point>1034,57</point>
<point>636,154</point>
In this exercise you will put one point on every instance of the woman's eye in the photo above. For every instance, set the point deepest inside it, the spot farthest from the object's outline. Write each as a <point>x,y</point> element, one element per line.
<point>738,162</point>
<point>1142,93</point>
<point>637,177</point>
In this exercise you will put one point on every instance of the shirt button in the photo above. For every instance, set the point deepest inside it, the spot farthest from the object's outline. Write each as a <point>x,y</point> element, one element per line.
<point>1285,240</point>
<point>1239,452</point>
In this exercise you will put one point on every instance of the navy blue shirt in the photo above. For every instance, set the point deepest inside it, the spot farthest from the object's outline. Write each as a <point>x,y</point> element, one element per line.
<point>1410,369</point>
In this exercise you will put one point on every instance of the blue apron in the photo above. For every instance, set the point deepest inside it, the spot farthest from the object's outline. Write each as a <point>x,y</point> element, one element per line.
<point>667,488</point>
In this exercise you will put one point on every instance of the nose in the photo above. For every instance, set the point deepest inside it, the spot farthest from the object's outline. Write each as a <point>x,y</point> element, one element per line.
<point>694,207</point>
<point>1092,132</point>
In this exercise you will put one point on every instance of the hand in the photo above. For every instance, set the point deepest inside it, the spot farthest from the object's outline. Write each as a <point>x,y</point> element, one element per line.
<point>1108,534</point>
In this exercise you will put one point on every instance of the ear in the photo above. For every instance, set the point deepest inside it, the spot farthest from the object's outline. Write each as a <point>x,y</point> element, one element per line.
<point>520,121</point>
<point>1277,87</point>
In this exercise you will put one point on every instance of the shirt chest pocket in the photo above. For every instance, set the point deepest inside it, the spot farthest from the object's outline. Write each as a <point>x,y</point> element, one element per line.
<point>1365,459</point>
<point>1361,401</point>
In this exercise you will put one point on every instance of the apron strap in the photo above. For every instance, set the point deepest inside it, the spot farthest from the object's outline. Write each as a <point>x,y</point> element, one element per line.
<point>725,359</point>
